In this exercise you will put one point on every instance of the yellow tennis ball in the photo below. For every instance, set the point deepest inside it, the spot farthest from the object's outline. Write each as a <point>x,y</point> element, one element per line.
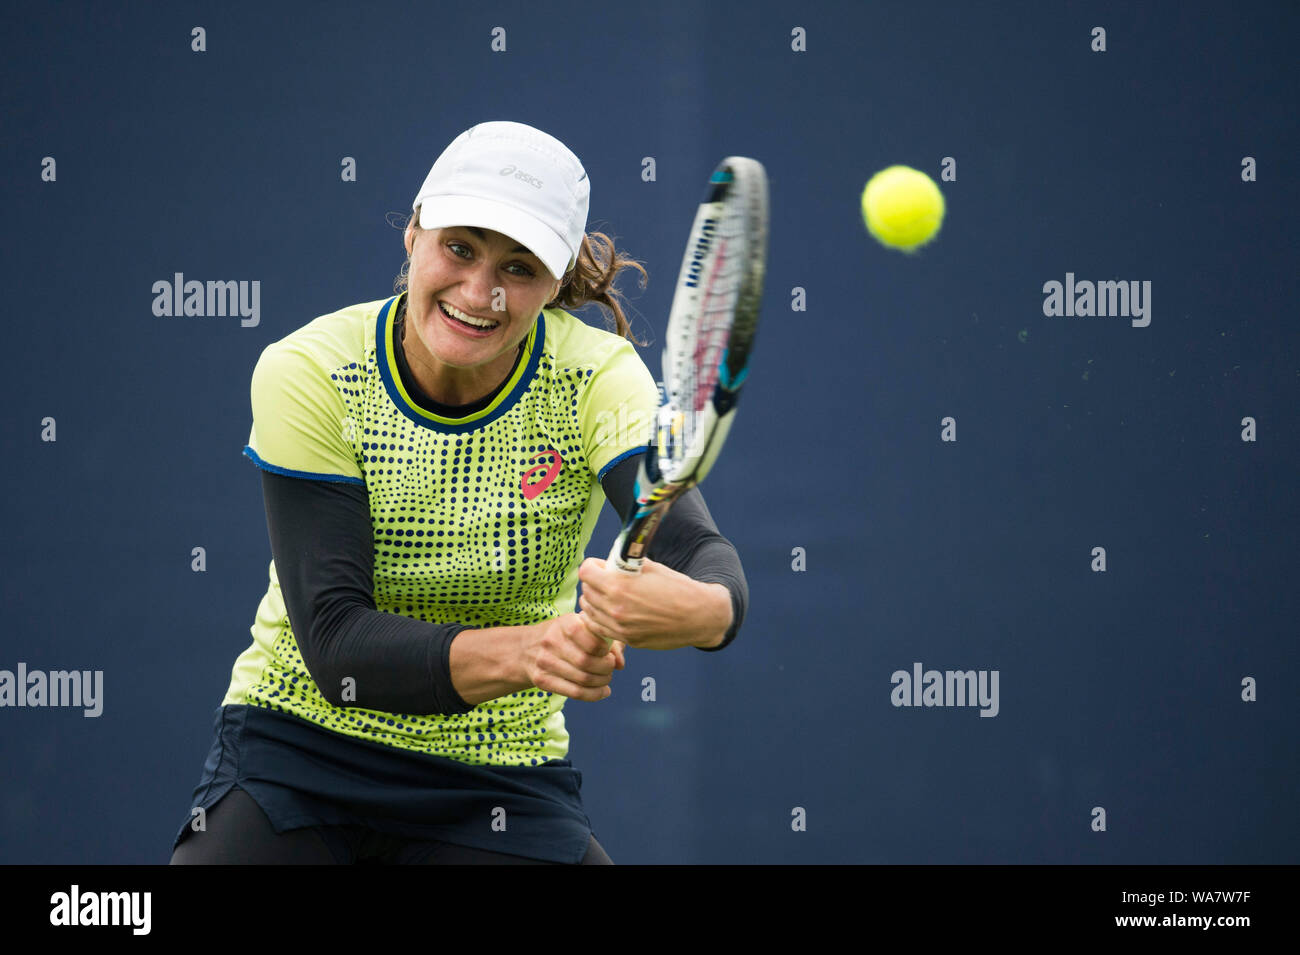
<point>903,208</point>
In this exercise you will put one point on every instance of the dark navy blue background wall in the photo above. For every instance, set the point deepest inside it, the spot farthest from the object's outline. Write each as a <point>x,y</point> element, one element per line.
<point>1119,689</point>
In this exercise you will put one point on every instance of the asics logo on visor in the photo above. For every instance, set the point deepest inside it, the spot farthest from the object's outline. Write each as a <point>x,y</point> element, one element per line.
<point>522,176</point>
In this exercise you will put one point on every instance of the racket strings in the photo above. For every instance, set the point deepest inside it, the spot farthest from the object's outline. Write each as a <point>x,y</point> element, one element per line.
<point>700,344</point>
<point>708,343</point>
<point>711,338</point>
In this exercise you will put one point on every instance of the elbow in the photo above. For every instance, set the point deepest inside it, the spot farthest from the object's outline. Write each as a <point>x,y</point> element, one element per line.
<point>331,682</point>
<point>325,651</point>
<point>717,562</point>
<point>324,663</point>
<point>340,691</point>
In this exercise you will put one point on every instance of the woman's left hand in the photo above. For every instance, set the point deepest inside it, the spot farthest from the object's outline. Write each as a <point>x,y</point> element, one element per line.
<point>657,609</point>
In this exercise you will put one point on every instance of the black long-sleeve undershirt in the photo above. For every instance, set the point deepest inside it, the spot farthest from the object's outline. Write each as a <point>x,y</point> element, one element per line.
<point>322,543</point>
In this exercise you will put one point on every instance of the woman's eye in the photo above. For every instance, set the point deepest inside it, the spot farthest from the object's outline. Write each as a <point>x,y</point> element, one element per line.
<point>463,251</point>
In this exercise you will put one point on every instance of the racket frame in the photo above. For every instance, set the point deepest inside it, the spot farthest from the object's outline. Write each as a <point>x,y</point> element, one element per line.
<point>743,179</point>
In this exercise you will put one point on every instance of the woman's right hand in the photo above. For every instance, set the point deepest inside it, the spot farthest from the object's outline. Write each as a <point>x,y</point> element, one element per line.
<point>562,656</point>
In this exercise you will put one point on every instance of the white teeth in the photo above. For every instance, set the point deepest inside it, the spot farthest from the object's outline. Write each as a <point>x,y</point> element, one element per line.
<point>468,319</point>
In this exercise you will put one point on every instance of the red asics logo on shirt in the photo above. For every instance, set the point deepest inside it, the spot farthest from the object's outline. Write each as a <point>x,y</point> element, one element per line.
<point>541,484</point>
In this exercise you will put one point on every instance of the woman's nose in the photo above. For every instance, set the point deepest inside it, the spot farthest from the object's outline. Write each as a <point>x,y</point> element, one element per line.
<point>482,286</point>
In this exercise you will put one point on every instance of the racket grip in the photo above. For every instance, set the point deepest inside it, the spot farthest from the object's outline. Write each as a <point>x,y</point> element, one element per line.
<point>629,565</point>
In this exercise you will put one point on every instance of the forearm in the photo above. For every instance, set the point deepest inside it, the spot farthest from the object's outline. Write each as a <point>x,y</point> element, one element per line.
<point>657,609</point>
<point>362,657</point>
<point>395,664</point>
<point>486,664</point>
<point>715,565</point>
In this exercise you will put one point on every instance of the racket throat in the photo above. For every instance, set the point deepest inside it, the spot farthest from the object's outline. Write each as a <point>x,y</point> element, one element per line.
<point>637,544</point>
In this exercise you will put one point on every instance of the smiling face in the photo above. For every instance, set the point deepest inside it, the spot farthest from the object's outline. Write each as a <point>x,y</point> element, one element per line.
<point>473,296</point>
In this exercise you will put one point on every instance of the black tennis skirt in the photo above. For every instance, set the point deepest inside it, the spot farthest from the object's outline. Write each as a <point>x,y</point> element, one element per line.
<point>302,776</point>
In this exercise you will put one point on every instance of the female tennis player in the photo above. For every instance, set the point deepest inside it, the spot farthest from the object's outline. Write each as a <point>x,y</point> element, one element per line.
<point>433,465</point>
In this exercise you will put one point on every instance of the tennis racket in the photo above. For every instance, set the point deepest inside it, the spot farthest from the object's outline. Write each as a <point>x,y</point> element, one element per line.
<point>706,354</point>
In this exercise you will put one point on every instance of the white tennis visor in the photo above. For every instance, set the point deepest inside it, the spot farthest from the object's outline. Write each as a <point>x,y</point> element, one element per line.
<point>515,180</point>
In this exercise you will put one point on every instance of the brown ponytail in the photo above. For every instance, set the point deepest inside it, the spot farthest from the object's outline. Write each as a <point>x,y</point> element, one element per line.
<point>592,280</point>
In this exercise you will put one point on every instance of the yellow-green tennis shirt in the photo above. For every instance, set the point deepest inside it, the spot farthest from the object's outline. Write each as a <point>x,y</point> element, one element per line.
<point>481,520</point>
